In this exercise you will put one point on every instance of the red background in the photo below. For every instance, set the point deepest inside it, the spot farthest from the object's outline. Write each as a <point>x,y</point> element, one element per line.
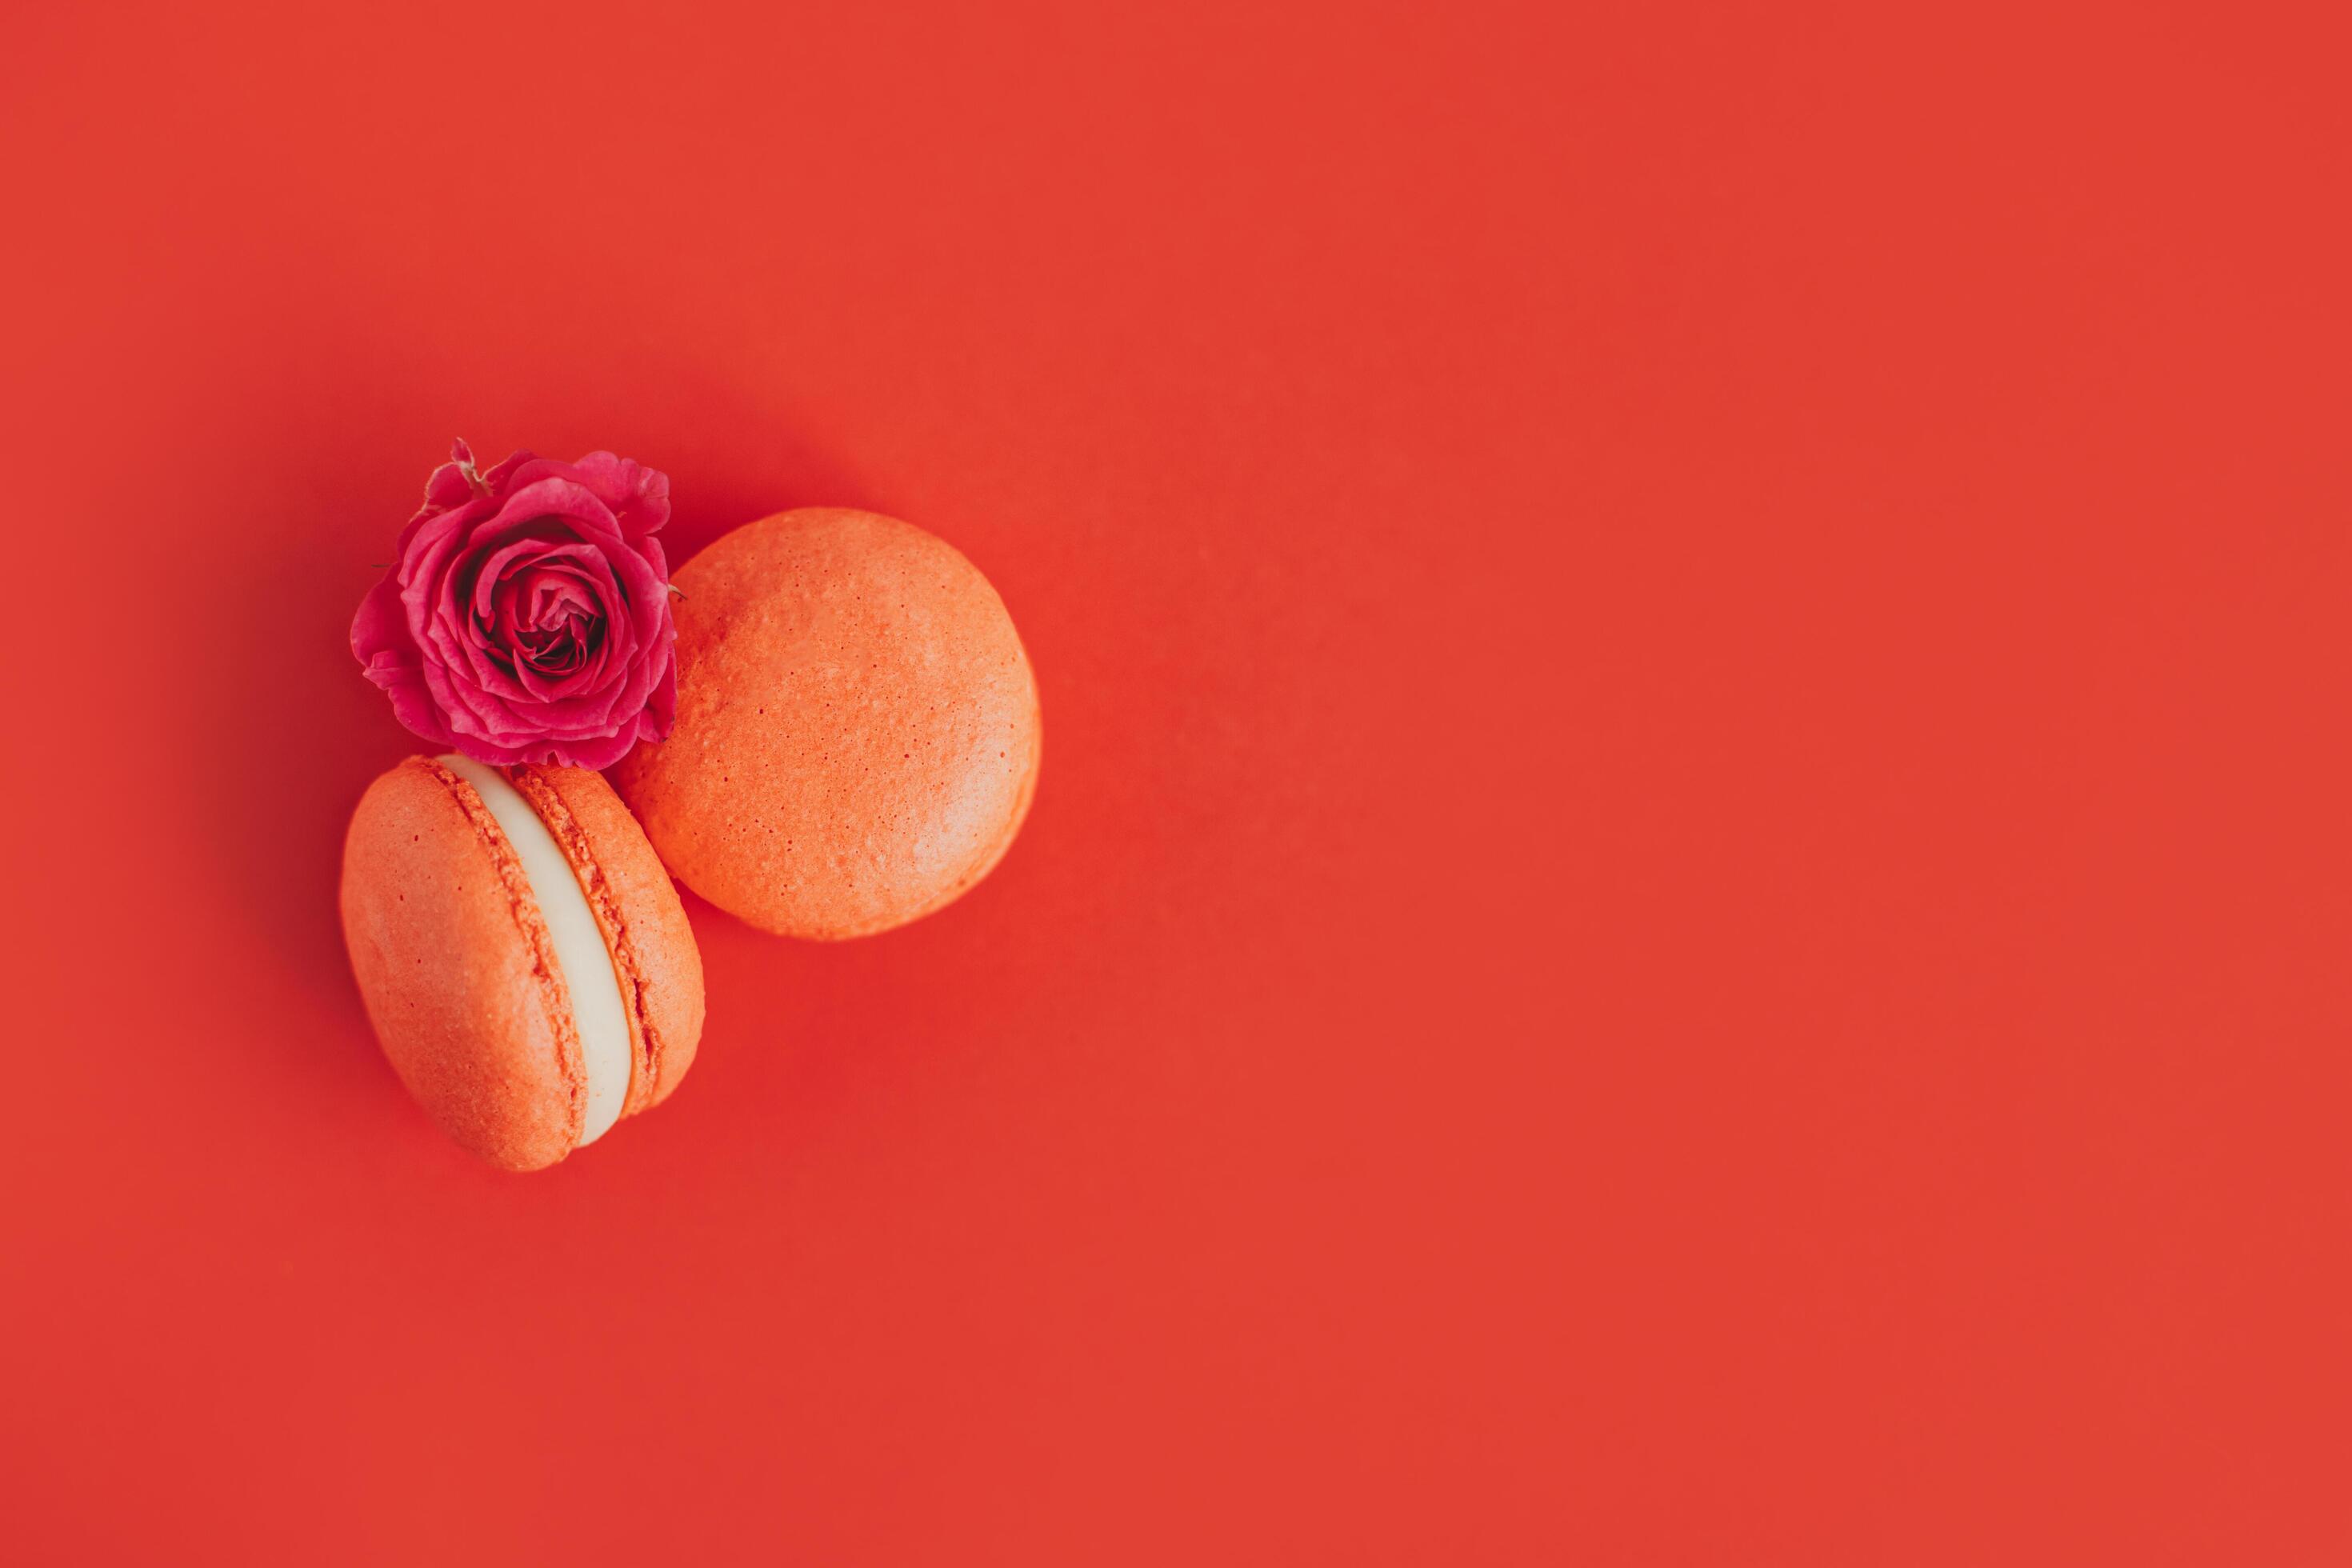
<point>1690,898</point>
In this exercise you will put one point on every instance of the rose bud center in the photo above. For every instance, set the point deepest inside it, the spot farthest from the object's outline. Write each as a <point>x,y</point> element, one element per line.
<point>547,615</point>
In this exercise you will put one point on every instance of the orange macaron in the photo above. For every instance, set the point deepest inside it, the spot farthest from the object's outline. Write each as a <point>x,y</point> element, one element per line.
<point>857,734</point>
<point>523,956</point>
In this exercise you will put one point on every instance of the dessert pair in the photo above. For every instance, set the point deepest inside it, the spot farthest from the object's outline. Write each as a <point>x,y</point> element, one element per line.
<point>856,745</point>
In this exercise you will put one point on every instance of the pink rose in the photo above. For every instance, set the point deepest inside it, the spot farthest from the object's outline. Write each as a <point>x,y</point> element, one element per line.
<point>527,617</point>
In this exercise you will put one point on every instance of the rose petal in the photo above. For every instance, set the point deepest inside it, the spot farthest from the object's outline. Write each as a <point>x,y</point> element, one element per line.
<point>500,560</point>
<point>453,637</point>
<point>637,496</point>
<point>380,625</point>
<point>555,495</point>
<point>497,480</point>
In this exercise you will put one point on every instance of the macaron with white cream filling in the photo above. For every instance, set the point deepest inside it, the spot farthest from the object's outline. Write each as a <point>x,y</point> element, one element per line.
<point>521,952</point>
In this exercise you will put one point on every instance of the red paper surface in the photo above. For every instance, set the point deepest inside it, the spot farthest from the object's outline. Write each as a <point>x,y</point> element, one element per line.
<point>1690,898</point>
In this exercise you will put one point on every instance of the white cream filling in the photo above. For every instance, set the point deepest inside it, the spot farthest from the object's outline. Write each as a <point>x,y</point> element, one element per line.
<point>597,1010</point>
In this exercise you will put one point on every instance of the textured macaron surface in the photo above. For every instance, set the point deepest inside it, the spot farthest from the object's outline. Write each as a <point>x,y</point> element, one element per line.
<point>857,730</point>
<point>457,971</point>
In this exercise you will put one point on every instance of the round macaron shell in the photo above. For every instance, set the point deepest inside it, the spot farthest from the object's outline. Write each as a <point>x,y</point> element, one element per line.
<point>858,730</point>
<point>453,964</point>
